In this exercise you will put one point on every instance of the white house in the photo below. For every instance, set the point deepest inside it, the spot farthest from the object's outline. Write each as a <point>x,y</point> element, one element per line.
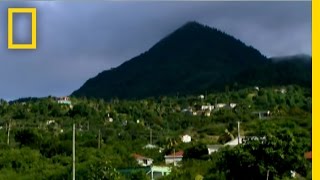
<point>221,105</point>
<point>150,146</point>
<point>242,139</point>
<point>232,105</point>
<point>174,157</point>
<point>143,161</point>
<point>64,100</point>
<point>207,107</point>
<point>207,113</point>
<point>50,122</point>
<point>234,141</point>
<point>186,138</point>
<point>213,148</point>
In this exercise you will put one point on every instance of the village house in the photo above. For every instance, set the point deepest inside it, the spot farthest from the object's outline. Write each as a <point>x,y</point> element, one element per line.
<point>214,148</point>
<point>64,100</point>
<point>150,146</point>
<point>174,158</point>
<point>281,90</point>
<point>153,172</point>
<point>262,114</point>
<point>186,138</point>
<point>207,113</point>
<point>232,105</point>
<point>235,141</point>
<point>207,107</point>
<point>50,122</point>
<point>190,111</point>
<point>142,161</point>
<point>201,96</point>
<point>220,105</point>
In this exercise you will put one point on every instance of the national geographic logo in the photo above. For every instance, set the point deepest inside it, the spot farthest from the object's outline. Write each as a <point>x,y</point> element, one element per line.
<point>33,44</point>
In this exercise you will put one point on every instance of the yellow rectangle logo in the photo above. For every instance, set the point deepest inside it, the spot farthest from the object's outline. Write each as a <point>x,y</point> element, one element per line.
<point>33,44</point>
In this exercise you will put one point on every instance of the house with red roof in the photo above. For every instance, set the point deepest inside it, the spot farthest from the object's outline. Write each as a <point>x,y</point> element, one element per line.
<point>143,161</point>
<point>174,157</point>
<point>308,155</point>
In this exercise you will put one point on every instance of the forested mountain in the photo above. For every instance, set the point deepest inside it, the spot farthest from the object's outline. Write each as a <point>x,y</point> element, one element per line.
<point>194,58</point>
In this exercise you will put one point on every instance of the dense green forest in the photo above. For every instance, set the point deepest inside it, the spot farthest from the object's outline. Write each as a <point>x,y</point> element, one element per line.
<point>193,59</point>
<point>36,135</point>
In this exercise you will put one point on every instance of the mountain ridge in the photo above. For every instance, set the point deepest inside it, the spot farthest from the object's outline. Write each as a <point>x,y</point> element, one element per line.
<point>193,58</point>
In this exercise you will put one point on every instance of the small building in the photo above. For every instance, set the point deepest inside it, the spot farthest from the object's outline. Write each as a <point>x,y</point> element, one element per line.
<point>190,111</point>
<point>50,122</point>
<point>143,161</point>
<point>150,146</point>
<point>242,139</point>
<point>174,158</point>
<point>220,105</point>
<point>232,105</point>
<point>186,138</point>
<point>235,141</point>
<point>262,114</point>
<point>207,107</point>
<point>64,100</point>
<point>214,148</point>
<point>153,172</point>
<point>207,113</point>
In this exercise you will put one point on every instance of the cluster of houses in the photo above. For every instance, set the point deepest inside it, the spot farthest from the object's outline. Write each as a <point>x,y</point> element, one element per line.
<point>207,109</point>
<point>176,156</point>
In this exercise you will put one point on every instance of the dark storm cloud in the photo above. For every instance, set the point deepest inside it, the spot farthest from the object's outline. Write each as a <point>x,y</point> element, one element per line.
<point>77,40</point>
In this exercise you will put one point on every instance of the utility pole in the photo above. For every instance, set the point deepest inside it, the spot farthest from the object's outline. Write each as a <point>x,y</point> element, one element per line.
<point>150,136</point>
<point>99,139</point>
<point>238,132</point>
<point>174,157</point>
<point>9,128</point>
<point>74,152</point>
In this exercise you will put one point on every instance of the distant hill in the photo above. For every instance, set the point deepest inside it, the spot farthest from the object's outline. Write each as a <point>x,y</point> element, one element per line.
<point>297,57</point>
<point>280,71</point>
<point>194,58</point>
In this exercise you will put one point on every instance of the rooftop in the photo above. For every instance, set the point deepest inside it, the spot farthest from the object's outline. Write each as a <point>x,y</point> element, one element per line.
<point>176,154</point>
<point>138,156</point>
<point>308,155</point>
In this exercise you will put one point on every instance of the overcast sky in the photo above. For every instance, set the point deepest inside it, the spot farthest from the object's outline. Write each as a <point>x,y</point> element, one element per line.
<point>77,40</point>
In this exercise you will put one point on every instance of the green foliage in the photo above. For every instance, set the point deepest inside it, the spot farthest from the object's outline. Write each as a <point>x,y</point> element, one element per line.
<point>198,151</point>
<point>28,137</point>
<point>103,171</point>
<point>40,141</point>
<point>273,155</point>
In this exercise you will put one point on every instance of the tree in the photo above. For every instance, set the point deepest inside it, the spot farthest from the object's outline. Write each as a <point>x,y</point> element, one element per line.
<point>103,171</point>
<point>28,137</point>
<point>199,151</point>
<point>272,155</point>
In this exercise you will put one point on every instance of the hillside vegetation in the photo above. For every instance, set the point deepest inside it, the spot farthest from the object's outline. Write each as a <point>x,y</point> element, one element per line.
<point>109,132</point>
